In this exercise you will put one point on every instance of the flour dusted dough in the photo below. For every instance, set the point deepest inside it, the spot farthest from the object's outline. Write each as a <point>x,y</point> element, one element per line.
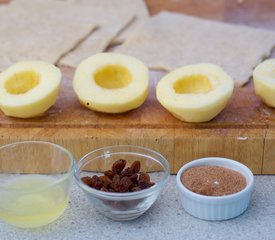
<point>139,9</point>
<point>171,40</point>
<point>40,29</point>
<point>60,31</point>
<point>116,20</point>
<point>99,40</point>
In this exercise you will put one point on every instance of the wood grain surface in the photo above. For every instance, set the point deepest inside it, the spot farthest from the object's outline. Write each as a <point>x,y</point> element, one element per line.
<point>244,131</point>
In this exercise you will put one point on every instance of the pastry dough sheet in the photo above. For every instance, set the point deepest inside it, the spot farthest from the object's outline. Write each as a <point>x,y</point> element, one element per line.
<point>170,40</point>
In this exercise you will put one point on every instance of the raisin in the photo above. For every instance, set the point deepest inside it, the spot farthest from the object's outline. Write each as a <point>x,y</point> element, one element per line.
<point>114,187</point>
<point>127,172</point>
<point>122,189</point>
<point>144,185</point>
<point>106,181</point>
<point>110,174</point>
<point>96,182</point>
<point>134,178</point>
<point>126,182</point>
<point>87,180</point>
<point>118,166</point>
<point>144,177</point>
<point>115,183</point>
<point>135,166</point>
<point>116,179</point>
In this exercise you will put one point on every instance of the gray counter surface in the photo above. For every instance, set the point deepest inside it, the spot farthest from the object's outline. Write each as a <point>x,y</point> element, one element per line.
<point>166,219</point>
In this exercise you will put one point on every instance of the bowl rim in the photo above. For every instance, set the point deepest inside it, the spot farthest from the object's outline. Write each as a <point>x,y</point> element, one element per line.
<point>128,195</point>
<point>204,161</point>
<point>49,185</point>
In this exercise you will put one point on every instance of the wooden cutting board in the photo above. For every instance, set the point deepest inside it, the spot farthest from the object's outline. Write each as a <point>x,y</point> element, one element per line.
<point>244,131</point>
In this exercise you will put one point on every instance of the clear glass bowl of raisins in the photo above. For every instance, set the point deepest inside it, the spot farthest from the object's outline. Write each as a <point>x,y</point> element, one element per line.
<point>122,182</point>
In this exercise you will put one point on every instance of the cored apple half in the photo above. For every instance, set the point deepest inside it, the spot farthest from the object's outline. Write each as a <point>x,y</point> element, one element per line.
<point>111,83</point>
<point>195,93</point>
<point>264,81</point>
<point>29,88</point>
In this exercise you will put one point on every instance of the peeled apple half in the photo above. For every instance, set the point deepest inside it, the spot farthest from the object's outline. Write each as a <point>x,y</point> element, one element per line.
<point>29,88</point>
<point>195,93</point>
<point>111,83</point>
<point>264,81</point>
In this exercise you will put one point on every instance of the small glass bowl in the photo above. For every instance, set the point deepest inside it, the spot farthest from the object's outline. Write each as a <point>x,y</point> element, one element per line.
<point>216,208</point>
<point>36,180</point>
<point>123,206</point>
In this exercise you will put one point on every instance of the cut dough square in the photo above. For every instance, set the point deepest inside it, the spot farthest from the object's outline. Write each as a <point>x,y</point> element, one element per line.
<point>64,31</point>
<point>29,33</point>
<point>170,40</point>
<point>116,18</point>
<point>139,9</point>
<point>99,40</point>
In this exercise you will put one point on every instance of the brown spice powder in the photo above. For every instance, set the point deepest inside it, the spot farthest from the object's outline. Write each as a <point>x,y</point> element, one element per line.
<point>213,180</point>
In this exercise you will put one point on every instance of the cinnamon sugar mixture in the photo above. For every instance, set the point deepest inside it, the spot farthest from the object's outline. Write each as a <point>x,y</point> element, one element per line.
<point>213,180</point>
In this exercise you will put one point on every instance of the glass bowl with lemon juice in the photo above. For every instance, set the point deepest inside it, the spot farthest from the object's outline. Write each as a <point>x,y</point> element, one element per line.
<point>36,180</point>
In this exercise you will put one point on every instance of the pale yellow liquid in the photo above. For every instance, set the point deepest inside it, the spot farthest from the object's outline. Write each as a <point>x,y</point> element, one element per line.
<point>33,209</point>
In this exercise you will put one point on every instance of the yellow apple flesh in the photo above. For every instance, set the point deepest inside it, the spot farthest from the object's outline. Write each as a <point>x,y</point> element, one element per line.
<point>195,93</point>
<point>29,88</point>
<point>111,83</point>
<point>264,81</point>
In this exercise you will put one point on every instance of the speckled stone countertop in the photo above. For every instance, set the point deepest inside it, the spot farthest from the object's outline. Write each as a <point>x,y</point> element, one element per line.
<point>166,219</point>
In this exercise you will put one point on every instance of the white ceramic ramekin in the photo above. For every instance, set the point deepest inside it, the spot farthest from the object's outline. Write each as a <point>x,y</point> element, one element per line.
<point>216,207</point>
